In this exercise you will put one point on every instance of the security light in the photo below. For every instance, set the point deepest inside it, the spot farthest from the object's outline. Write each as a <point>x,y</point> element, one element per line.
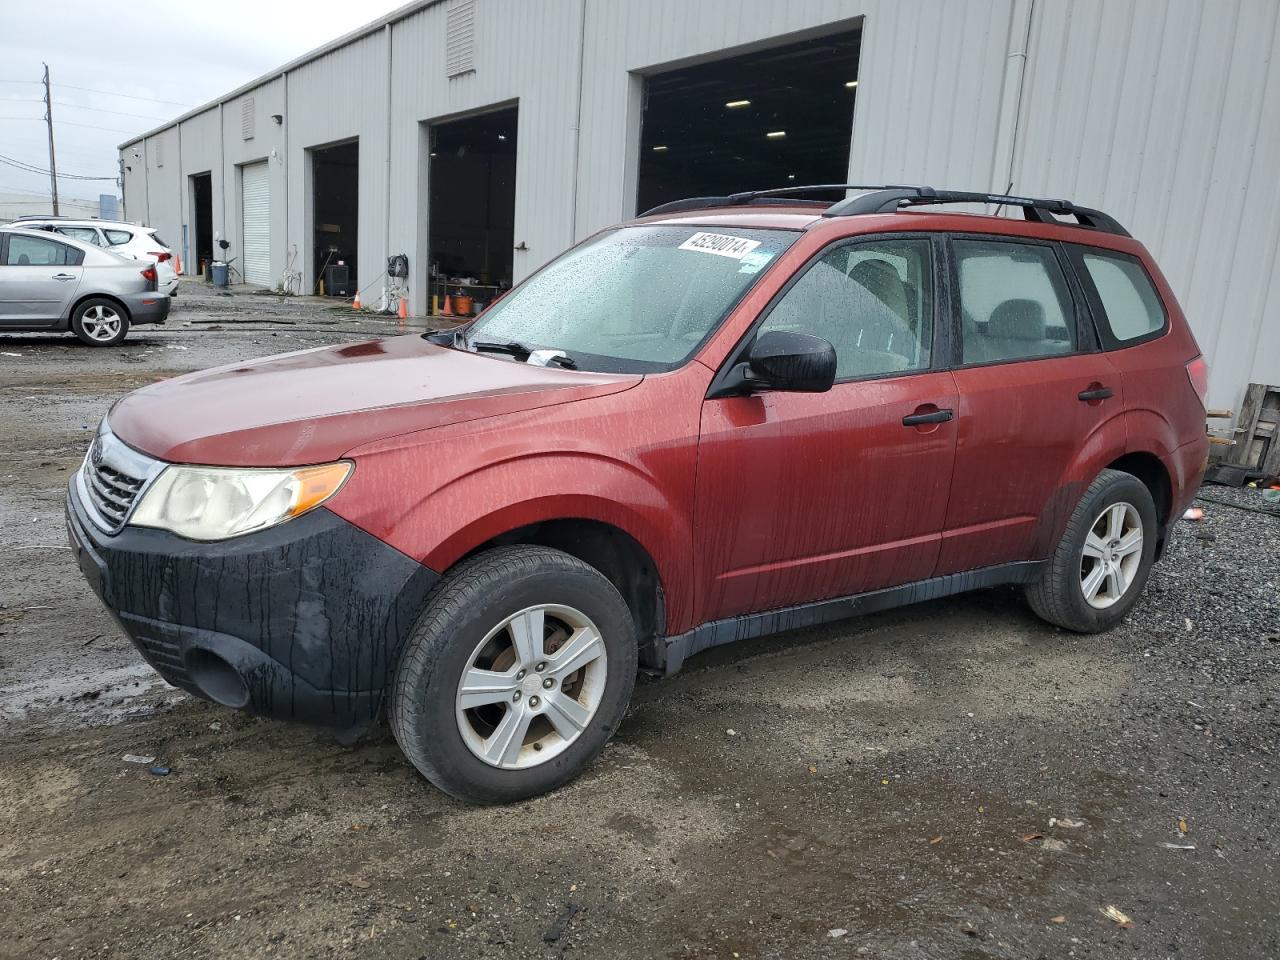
<point>734,104</point>
<point>660,148</point>
<point>776,134</point>
<point>851,84</point>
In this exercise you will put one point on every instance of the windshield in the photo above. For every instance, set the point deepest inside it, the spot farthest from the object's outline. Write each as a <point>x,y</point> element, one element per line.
<point>635,300</point>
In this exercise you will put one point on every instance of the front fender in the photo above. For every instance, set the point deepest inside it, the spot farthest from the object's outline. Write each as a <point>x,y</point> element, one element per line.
<point>492,498</point>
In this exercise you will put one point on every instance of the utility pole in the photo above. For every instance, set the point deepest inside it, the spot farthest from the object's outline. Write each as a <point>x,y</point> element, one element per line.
<point>53,164</point>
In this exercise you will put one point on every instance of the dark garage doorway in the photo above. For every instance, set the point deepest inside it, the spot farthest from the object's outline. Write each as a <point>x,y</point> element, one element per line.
<point>335,181</point>
<point>471,216</point>
<point>202,225</point>
<point>764,119</point>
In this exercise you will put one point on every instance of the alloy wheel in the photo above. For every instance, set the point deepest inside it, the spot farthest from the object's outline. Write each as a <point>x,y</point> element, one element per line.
<point>1112,555</point>
<point>101,322</point>
<point>531,686</point>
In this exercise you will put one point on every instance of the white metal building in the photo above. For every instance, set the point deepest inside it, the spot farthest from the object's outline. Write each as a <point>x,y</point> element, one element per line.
<point>1164,113</point>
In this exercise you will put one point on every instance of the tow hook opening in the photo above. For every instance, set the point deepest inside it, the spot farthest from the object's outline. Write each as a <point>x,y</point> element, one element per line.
<point>217,679</point>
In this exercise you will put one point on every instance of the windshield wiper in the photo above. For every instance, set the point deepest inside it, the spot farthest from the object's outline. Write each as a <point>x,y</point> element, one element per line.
<point>510,348</point>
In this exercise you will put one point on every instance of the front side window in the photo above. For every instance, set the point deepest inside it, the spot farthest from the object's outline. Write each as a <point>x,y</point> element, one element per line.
<point>872,301</point>
<point>39,252</point>
<point>1132,306</point>
<point>118,237</point>
<point>1014,302</point>
<point>87,234</point>
<point>634,300</point>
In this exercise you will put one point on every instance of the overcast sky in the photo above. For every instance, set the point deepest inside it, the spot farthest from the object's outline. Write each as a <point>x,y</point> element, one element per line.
<point>184,52</point>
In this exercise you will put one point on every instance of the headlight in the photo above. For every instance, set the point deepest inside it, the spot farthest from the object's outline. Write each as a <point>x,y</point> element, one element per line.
<point>214,503</point>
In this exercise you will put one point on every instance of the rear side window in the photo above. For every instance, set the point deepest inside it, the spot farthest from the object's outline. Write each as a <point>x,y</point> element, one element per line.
<point>39,252</point>
<point>87,234</point>
<point>156,237</point>
<point>118,237</point>
<point>1014,302</point>
<point>1131,305</point>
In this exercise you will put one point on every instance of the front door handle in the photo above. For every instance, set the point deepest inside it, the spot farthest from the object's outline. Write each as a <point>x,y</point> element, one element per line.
<point>64,276</point>
<point>1095,393</point>
<point>933,416</point>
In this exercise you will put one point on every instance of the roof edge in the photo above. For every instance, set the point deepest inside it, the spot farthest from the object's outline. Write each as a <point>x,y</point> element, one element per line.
<point>395,16</point>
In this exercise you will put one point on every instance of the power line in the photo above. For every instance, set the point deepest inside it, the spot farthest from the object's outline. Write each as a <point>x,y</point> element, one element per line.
<point>32,168</point>
<point>81,106</point>
<point>72,123</point>
<point>109,93</point>
<point>127,96</point>
<point>77,106</point>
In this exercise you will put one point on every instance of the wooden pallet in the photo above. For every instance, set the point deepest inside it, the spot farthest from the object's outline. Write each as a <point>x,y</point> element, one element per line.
<point>1257,432</point>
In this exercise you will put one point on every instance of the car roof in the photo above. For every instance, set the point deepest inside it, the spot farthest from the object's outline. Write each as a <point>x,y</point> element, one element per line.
<point>924,219</point>
<point>61,238</point>
<point>87,222</point>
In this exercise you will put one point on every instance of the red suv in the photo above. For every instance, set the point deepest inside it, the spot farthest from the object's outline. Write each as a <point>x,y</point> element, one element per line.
<point>729,417</point>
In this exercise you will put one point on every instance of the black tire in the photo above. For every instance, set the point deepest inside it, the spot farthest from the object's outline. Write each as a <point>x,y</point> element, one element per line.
<point>1058,596</point>
<point>463,608</point>
<point>87,318</point>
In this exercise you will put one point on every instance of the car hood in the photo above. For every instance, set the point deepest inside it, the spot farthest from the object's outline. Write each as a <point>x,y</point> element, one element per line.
<point>315,405</point>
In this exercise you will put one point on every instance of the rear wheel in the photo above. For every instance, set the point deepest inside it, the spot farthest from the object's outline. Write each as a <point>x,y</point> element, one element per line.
<point>1104,558</point>
<point>515,676</point>
<point>100,322</point>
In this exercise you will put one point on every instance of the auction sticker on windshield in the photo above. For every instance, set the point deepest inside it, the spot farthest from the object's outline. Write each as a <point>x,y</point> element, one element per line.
<point>721,244</point>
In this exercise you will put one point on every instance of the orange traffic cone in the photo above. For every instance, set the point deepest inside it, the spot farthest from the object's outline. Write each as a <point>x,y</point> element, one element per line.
<point>404,308</point>
<point>448,305</point>
<point>177,263</point>
<point>355,303</point>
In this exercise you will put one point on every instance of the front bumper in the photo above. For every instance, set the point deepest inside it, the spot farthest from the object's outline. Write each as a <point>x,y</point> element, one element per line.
<point>150,307</point>
<point>303,621</point>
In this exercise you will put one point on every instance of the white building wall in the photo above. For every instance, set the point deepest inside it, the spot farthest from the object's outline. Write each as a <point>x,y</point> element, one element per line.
<point>1165,114</point>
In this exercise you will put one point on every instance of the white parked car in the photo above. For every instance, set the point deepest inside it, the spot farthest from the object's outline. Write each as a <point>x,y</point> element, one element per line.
<point>126,239</point>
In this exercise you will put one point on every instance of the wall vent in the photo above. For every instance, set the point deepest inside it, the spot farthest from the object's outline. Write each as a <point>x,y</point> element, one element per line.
<point>460,38</point>
<point>246,118</point>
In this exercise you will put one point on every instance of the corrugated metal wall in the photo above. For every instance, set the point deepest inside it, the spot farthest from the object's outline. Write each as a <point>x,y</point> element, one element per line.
<point>1166,114</point>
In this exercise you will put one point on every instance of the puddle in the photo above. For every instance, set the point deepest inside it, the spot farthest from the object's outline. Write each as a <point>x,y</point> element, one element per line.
<point>98,698</point>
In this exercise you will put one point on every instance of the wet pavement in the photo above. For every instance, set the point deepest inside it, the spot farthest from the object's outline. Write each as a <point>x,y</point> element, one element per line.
<point>951,780</point>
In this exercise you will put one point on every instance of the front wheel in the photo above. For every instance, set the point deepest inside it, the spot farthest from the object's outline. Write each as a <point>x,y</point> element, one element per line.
<point>100,322</point>
<point>515,676</point>
<point>1102,562</point>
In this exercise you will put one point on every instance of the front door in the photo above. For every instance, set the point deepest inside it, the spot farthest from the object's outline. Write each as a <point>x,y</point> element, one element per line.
<point>804,497</point>
<point>1033,389</point>
<point>38,278</point>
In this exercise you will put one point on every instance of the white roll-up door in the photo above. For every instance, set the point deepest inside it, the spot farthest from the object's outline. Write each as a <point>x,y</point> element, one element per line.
<point>255,210</point>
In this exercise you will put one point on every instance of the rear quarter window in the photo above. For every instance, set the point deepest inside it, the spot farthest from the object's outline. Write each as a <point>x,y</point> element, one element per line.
<point>1131,310</point>
<point>118,237</point>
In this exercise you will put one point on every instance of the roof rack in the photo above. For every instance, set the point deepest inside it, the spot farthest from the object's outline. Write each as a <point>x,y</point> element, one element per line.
<point>776,196</point>
<point>890,198</point>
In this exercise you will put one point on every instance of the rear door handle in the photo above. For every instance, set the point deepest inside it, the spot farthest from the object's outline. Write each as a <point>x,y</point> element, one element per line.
<point>64,276</point>
<point>1096,393</point>
<point>920,419</point>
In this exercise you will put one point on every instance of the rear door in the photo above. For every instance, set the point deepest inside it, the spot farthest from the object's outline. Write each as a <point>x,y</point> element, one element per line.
<point>1033,386</point>
<point>808,496</point>
<point>38,278</point>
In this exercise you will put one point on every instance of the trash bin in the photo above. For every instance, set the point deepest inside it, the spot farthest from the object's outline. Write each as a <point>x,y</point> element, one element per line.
<point>219,271</point>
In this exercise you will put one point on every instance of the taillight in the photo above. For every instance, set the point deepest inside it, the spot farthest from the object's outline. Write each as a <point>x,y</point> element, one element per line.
<point>161,256</point>
<point>1198,374</point>
<point>149,274</point>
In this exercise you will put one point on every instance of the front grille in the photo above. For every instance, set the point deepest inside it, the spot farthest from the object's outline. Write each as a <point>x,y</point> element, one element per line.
<point>114,475</point>
<point>111,491</point>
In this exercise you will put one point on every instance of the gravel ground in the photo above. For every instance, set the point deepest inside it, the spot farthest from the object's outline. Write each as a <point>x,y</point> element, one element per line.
<point>950,780</point>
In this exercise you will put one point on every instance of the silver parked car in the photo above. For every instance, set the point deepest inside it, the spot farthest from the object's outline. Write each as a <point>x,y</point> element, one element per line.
<point>49,283</point>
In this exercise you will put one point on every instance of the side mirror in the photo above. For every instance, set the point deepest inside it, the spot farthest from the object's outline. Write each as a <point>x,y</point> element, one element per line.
<point>798,362</point>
